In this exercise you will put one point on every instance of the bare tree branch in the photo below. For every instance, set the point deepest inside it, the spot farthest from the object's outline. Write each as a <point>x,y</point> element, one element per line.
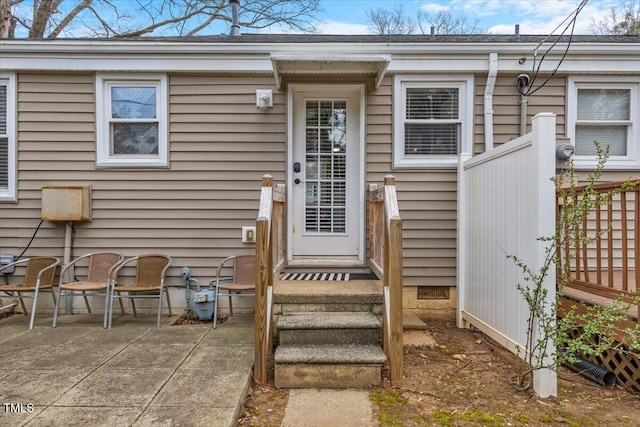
<point>7,24</point>
<point>384,21</point>
<point>623,20</point>
<point>67,19</point>
<point>444,22</point>
<point>110,18</point>
<point>43,11</point>
<point>394,21</point>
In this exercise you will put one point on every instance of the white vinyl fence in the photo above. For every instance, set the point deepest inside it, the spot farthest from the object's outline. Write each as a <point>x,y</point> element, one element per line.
<point>506,201</point>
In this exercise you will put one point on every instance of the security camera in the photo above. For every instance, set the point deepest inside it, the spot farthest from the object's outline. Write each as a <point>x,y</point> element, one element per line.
<point>185,273</point>
<point>523,80</point>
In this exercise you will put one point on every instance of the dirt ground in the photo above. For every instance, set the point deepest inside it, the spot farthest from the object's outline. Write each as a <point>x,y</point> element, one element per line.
<point>467,380</point>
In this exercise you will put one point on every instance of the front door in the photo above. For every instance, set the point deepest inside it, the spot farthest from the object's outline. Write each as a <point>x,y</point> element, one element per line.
<point>326,205</point>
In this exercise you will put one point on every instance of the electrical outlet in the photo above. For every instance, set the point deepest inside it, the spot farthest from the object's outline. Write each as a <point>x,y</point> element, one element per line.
<point>248,234</point>
<point>4,260</point>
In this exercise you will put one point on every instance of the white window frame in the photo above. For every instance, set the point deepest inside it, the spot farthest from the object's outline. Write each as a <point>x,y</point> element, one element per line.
<point>632,159</point>
<point>103,110</point>
<point>9,194</point>
<point>401,83</point>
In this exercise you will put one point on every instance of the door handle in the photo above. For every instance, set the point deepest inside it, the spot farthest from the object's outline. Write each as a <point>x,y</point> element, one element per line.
<point>296,167</point>
<point>297,181</point>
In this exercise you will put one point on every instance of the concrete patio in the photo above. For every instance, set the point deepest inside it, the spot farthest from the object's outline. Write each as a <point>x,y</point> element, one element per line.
<point>133,374</point>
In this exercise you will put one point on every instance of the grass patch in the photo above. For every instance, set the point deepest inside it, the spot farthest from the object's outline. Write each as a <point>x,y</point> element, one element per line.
<point>478,417</point>
<point>390,405</point>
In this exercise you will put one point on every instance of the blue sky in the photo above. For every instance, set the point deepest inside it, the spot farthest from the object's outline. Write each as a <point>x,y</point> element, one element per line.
<point>496,16</point>
<point>349,16</point>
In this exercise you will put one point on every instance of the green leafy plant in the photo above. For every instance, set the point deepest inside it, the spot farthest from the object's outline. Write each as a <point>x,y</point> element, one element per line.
<point>583,333</point>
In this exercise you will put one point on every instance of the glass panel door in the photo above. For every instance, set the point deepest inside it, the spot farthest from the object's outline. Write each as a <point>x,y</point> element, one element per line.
<point>325,166</point>
<point>326,177</point>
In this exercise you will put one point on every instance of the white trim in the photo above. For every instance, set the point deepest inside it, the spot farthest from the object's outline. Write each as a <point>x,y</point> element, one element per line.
<point>410,57</point>
<point>328,64</point>
<point>11,193</point>
<point>103,141</point>
<point>301,87</point>
<point>402,81</point>
<point>111,46</point>
<point>632,159</point>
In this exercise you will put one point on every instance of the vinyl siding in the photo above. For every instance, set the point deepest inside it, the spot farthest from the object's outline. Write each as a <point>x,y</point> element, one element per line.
<point>426,199</point>
<point>506,106</point>
<point>220,147</point>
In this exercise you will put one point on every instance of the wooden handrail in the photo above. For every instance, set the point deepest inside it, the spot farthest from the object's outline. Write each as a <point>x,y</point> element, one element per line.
<point>385,245</point>
<point>270,250</point>
<point>601,258</point>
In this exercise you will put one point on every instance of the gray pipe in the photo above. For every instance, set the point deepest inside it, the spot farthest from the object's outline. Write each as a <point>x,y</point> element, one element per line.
<point>523,115</point>
<point>235,27</point>
<point>593,372</point>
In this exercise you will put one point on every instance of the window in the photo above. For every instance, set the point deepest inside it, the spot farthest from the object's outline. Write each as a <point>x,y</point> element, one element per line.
<point>132,121</point>
<point>7,138</point>
<point>433,120</point>
<point>605,111</point>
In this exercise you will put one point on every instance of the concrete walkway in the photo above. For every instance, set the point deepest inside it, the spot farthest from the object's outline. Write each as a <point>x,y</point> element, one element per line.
<point>134,374</point>
<point>326,407</point>
<point>80,374</point>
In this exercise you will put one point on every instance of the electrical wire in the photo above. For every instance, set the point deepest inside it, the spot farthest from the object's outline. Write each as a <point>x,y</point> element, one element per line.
<point>572,18</point>
<point>6,275</point>
<point>30,241</point>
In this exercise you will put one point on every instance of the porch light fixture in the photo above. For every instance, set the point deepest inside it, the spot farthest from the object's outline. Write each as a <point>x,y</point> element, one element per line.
<point>264,98</point>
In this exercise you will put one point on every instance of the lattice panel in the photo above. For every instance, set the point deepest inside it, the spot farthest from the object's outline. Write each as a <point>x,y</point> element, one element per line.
<point>625,366</point>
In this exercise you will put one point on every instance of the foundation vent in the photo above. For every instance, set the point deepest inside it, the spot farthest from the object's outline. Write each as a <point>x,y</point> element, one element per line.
<point>433,292</point>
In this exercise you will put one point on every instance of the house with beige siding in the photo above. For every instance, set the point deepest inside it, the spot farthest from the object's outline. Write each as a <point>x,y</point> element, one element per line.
<point>173,136</point>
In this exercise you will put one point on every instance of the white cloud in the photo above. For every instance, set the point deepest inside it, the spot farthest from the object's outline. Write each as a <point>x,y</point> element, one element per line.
<point>335,27</point>
<point>433,7</point>
<point>550,18</point>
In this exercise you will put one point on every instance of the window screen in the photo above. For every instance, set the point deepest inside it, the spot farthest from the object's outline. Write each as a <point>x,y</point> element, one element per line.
<point>4,139</point>
<point>603,115</point>
<point>134,125</point>
<point>432,124</point>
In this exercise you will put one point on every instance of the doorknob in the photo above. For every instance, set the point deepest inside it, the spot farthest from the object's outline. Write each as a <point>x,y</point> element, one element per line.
<point>297,181</point>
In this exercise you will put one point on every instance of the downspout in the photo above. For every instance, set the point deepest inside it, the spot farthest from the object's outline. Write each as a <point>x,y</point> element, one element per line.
<point>488,101</point>
<point>523,115</point>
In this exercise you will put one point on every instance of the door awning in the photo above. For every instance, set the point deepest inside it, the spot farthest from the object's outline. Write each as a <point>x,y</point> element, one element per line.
<point>375,65</point>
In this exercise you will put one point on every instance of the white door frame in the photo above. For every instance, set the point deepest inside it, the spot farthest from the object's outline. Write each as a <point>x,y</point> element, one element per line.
<point>328,87</point>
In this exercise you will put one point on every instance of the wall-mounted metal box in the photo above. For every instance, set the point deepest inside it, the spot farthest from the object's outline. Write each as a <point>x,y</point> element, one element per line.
<point>66,203</point>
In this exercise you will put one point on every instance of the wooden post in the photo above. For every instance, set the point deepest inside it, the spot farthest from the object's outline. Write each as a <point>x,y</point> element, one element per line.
<point>263,279</point>
<point>395,293</point>
<point>393,278</point>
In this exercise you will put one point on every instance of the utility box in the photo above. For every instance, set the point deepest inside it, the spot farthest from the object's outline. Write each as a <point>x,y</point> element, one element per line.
<point>204,302</point>
<point>71,203</point>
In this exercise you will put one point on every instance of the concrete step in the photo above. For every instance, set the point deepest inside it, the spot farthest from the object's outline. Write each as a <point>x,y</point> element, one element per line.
<point>331,320</point>
<point>328,328</point>
<point>328,366</point>
<point>323,293</point>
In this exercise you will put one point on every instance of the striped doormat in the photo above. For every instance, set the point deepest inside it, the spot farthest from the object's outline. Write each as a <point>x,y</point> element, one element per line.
<point>316,276</point>
<point>329,276</point>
